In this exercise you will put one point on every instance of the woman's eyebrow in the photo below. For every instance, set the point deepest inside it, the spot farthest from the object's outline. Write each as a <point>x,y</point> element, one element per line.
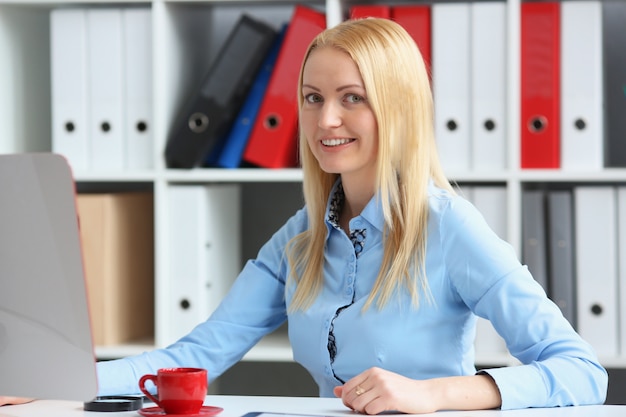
<point>340,88</point>
<point>310,86</point>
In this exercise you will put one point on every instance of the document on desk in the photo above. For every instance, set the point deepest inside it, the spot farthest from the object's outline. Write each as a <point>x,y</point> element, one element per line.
<point>576,411</point>
<point>273,414</point>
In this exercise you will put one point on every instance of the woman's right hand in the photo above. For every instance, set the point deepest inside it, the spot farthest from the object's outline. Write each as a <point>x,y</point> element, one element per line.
<point>14,400</point>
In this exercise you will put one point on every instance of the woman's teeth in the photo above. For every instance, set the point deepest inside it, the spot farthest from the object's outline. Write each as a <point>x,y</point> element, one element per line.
<point>336,142</point>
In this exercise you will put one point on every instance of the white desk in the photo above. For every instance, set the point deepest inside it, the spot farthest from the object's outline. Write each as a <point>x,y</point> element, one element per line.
<point>236,406</point>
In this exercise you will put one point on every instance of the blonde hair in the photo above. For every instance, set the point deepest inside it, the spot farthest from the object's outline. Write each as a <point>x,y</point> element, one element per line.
<point>399,93</point>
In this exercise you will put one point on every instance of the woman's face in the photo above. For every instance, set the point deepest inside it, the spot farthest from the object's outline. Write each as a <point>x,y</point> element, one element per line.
<point>336,118</point>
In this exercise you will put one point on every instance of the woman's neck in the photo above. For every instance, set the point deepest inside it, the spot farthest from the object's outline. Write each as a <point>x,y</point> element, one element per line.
<point>356,196</point>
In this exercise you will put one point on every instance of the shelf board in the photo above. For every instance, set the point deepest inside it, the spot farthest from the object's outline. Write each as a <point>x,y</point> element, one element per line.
<point>115,176</point>
<point>200,175</point>
<point>497,359</point>
<point>276,348</point>
<point>234,175</point>
<point>272,348</point>
<point>614,362</point>
<point>123,350</point>
<point>556,175</point>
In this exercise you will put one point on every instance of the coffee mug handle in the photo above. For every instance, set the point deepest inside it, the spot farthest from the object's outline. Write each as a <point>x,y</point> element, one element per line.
<point>142,382</point>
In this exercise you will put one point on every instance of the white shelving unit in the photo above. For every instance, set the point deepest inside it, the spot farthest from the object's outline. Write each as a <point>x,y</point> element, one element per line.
<point>186,37</point>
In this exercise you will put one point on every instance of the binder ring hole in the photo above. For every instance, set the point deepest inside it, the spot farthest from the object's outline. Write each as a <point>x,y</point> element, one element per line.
<point>580,124</point>
<point>272,121</point>
<point>69,126</point>
<point>105,126</point>
<point>537,124</point>
<point>596,309</point>
<point>142,126</point>
<point>490,125</point>
<point>185,304</point>
<point>452,125</point>
<point>198,122</point>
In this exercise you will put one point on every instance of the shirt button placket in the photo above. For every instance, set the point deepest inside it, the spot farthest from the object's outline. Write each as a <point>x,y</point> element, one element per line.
<point>350,276</point>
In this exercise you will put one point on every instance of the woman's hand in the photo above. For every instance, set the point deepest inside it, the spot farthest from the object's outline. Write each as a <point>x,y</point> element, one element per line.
<point>377,390</point>
<point>14,400</point>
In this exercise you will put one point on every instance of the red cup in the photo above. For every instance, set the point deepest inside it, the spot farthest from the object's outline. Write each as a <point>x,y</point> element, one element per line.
<point>179,390</point>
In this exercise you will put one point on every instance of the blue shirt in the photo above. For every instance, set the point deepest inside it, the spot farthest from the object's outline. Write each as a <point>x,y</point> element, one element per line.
<point>471,272</point>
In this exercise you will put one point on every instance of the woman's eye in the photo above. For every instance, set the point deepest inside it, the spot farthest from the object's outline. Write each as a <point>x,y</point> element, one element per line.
<point>354,98</point>
<point>313,98</point>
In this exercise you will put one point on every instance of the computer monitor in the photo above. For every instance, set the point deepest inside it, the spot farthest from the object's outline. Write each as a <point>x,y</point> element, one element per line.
<point>46,348</point>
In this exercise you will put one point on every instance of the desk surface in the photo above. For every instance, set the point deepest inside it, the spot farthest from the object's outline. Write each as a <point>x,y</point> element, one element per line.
<point>236,406</point>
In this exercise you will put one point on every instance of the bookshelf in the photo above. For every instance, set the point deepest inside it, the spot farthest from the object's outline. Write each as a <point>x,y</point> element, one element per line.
<point>186,37</point>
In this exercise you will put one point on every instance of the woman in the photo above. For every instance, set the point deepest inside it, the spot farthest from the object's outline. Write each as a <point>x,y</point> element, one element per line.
<point>383,272</point>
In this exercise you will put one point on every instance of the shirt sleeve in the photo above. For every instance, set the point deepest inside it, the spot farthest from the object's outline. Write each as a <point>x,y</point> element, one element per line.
<point>253,307</point>
<point>558,368</point>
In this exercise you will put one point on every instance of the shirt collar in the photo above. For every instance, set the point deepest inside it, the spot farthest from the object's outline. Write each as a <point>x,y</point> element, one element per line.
<point>372,212</point>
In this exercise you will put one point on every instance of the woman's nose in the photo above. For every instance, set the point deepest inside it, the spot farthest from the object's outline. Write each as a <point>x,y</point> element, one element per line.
<point>330,116</point>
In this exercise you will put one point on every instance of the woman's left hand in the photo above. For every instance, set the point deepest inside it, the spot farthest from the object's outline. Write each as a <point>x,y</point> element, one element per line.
<point>377,390</point>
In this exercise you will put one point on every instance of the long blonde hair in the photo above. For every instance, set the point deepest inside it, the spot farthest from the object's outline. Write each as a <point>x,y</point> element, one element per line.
<point>399,93</point>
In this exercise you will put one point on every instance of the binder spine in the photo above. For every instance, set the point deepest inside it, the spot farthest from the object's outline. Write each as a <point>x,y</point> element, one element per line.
<point>212,109</point>
<point>273,141</point>
<point>540,75</point>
